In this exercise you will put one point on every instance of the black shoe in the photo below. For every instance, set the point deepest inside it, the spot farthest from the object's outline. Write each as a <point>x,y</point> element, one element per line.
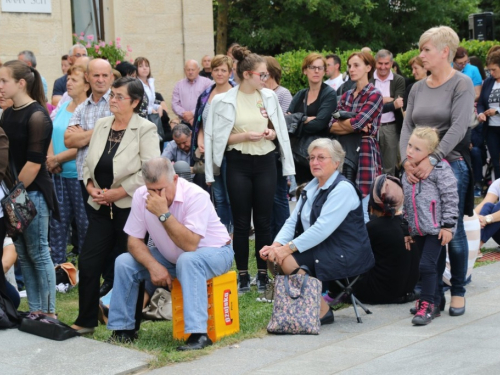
<point>123,337</point>
<point>196,341</point>
<point>262,281</point>
<point>442,304</point>
<point>103,313</point>
<point>424,315</point>
<point>328,318</point>
<point>457,311</point>
<point>243,283</point>
<point>105,288</point>
<point>415,308</point>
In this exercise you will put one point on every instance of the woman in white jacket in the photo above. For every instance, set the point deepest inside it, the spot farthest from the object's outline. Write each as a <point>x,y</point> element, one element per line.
<point>246,124</point>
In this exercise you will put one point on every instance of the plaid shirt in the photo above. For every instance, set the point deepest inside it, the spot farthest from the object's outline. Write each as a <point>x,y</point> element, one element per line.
<point>86,115</point>
<point>368,106</point>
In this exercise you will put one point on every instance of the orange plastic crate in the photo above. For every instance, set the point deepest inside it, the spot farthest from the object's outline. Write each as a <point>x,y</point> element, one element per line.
<point>223,313</point>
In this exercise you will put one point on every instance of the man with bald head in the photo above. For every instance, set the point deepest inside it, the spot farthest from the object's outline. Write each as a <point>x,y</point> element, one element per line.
<point>187,91</point>
<point>100,76</point>
<point>81,126</point>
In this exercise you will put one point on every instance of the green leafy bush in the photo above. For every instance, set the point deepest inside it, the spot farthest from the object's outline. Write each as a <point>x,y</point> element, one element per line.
<point>294,80</point>
<point>291,63</point>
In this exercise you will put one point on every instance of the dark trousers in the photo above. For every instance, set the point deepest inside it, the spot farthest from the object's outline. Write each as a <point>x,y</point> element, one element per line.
<point>281,209</point>
<point>108,274</point>
<point>493,143</point>
<point>251,184</point>
<point>430,249</point>
<point>3,281</point>
<point>104,235</point>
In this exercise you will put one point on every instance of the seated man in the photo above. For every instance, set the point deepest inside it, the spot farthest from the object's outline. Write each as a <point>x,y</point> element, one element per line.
<point>191,244</point>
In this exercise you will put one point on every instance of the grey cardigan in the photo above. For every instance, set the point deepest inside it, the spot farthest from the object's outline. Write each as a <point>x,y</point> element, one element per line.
<point>431,204</point>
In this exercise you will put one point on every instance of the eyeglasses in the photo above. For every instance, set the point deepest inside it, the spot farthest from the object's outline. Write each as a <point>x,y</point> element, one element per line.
<point>80,54</point>
<point>320,158</point>
<point>263,76</point>
<point>118,97</point>
<point>318,68</point>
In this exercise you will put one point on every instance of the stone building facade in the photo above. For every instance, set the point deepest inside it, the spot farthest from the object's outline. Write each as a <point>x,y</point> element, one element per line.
<point>167,32</point>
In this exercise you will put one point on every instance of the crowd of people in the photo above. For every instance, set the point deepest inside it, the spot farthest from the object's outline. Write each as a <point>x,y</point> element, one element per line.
<point>388,169</point>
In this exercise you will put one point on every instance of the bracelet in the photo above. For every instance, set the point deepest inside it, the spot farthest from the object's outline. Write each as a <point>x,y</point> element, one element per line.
<point>447,229</point>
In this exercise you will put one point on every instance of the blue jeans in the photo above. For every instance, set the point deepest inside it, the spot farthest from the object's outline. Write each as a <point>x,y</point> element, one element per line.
<point>493,229</point>
<point>281,209</point>
<point>221,198</point>
<point>458,248</point>
<point>36,264</point>
<point>193,269</point>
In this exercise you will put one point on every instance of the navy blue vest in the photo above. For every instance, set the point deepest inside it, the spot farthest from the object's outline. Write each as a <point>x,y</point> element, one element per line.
<point>347,251</point>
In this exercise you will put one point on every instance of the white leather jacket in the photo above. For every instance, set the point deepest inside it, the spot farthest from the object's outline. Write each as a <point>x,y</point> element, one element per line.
<point>220,122</point>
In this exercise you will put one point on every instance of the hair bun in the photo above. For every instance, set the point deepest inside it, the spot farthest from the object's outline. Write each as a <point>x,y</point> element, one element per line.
<point>240,52</point>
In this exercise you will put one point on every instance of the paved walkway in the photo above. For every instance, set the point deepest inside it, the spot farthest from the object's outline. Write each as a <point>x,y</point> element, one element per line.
<point>385,342</point>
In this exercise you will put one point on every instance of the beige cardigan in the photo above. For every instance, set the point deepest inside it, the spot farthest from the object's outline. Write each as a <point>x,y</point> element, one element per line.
<point>139,143</point>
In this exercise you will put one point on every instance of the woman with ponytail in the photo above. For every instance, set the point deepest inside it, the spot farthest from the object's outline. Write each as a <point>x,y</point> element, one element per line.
<point>29,128</point>
<point>246,124</point>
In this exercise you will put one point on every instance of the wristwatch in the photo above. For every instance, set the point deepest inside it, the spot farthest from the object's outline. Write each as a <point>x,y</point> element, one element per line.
<point>292,246</point>
<point>488,219</point>
<point>164,217</point>
<point>433,161</point>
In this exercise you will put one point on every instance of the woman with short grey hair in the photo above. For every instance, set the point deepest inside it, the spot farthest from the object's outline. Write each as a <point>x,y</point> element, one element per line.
<point>326,232</point>
<point>444,101</point>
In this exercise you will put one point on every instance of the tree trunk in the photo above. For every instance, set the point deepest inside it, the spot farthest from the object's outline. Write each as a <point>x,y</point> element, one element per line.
<point>222,16</point>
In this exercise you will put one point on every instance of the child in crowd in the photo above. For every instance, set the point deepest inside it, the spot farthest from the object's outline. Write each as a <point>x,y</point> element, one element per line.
<point>431,208</point>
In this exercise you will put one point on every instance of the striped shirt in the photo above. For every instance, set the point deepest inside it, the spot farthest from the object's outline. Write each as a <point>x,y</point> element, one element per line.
<point>86,115</point>
<point>284,97</point>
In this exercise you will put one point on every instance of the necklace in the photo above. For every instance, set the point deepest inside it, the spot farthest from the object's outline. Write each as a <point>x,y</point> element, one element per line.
<point>23,106</point>
<point>116,141</point>
<point>445,80</point>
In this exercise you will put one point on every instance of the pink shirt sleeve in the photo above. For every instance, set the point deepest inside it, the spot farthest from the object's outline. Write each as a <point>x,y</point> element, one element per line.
<point>176,100</point>
<point>136,226</point>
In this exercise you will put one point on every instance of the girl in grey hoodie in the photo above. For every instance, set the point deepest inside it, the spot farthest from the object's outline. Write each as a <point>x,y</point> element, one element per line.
<point>431,209</point>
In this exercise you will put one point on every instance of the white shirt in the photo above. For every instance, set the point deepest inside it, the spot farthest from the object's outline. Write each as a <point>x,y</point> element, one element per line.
<point>385,88</point>
<point>495,188</point>
<point>335,83</point>
<point>494,103</point>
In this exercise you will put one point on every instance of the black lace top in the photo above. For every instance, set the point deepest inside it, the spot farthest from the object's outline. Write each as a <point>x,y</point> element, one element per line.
<point>29,129</point>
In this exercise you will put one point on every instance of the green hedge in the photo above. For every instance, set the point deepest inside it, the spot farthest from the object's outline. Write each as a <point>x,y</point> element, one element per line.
<point>294,80</point>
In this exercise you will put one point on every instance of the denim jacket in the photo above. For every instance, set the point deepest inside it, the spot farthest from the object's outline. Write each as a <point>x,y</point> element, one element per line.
<point>220,122</point>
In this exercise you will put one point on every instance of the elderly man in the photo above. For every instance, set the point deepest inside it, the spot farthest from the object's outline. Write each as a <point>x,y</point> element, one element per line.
<point>187,91</point>
<point>179,149</point>
<point>28,57</point>
<point>192,246</point>
<point>81,126</point>
<point>392,87</point>
<point>78,50</point>
<point>206,67</point>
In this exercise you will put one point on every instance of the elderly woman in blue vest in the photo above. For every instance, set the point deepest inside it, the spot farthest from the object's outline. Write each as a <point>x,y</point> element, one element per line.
<point>330,237</point>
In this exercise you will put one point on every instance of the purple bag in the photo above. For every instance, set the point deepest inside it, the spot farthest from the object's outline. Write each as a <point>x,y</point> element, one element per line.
<point>296,308</point>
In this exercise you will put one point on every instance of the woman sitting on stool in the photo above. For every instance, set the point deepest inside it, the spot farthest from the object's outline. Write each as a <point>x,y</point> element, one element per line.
<point>330,238</point>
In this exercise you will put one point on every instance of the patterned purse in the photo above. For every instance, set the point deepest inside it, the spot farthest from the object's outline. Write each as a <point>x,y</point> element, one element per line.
<point>18,209</point>
<point>297,301</point>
